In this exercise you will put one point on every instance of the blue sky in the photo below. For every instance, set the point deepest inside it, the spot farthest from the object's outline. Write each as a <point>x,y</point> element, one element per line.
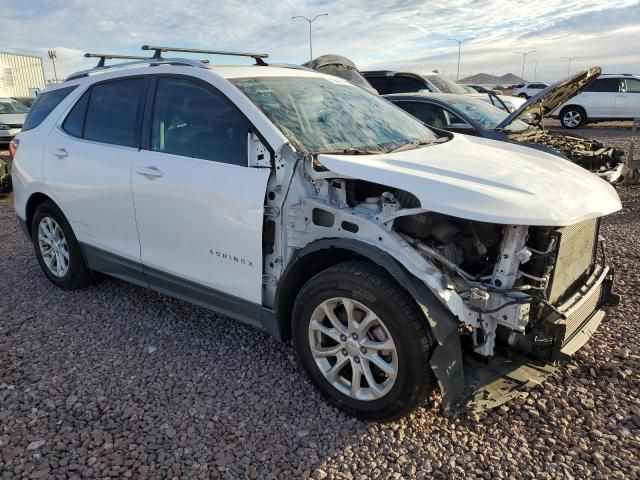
<point>401,34</point>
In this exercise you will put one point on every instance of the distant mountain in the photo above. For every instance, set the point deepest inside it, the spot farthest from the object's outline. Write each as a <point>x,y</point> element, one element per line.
<point>486,79</point>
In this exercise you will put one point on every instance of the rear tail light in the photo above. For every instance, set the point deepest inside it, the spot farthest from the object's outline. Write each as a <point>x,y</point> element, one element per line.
<point>13,148</point>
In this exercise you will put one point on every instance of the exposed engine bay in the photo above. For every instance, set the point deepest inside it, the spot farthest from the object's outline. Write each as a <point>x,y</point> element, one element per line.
<point>508,290</point>
<point>589,154</point>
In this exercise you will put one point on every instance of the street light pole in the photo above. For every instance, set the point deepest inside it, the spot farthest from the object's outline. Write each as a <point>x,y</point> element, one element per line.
<point>535,70</point>
<point>310,20</point>
<point>52,57</point>
<point>460,42</point>
<point>524,56</point>
<point>569,67</point>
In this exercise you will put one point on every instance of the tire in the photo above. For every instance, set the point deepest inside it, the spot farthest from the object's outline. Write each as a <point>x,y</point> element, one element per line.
<point>63,264</point>
<point>370,290</point>
<point>573,117</point>
<point>524,95</point>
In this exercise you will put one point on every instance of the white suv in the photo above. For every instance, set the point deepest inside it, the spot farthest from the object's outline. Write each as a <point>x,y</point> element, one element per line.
<point>309,207</point>
<point>610,97</point>
<point>528,90</point>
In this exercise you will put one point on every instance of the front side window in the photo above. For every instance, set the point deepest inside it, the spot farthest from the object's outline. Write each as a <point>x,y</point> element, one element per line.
<point>44,104</point>
<point>633,85</point>
<point>327,114</point>
<point>113,113</point>
<point>429,113</point>
<point>192,120</point>
<point>487,115</point>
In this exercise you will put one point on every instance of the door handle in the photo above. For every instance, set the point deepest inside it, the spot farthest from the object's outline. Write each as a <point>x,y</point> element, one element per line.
<point>60,153</point>
<point>149,172</point>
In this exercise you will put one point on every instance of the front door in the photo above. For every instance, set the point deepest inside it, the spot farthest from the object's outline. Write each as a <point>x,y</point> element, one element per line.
<point>628,99</point>
<point>198,205</point>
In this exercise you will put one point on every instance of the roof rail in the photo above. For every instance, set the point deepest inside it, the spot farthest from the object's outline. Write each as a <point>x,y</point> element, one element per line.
<point>151,62</point>
<point>258,57</point>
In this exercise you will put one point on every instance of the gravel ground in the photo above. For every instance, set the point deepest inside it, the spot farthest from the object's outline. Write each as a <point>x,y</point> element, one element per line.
<point>118,381</point>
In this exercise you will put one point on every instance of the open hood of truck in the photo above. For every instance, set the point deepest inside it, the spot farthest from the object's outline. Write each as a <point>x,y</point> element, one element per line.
<point>488,181</point>
<point>546,101</point>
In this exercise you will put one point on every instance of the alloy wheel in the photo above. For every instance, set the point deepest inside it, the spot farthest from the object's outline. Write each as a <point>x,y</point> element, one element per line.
<point>53,246</point>
<point>353,349</point>
<point>572,118</point>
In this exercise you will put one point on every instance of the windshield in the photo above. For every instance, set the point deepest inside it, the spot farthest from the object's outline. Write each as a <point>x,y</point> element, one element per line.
<point>445,85</point>
<point>8,105</point>
<point>323,115</point>
<point>487,115</point>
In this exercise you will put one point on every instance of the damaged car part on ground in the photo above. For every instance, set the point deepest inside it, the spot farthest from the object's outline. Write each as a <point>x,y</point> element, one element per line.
<point>525,126</point>
<point>392,256</point>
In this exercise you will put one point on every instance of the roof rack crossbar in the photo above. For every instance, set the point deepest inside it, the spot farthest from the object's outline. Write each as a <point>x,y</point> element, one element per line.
<point>258,57</point>
<point>110,56</point>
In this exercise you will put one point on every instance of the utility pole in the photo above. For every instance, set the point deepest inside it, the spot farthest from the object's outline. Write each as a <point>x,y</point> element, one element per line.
<point>524,56</point>
<point>569,67</point>
<point>459,42</point>
<point>52,57</point>
<point>310,20</point>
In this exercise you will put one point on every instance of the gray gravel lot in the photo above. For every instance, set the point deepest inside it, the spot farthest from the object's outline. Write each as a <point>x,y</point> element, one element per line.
<point>117,381</point>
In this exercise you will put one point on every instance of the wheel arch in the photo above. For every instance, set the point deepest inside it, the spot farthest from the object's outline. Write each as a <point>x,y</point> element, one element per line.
<point>446,360</point>
<point>575,106</point>
<point>34,200</point>
<point>326,253</point>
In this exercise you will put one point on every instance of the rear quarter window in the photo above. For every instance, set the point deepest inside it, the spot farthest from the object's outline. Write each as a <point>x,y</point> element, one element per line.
<point>45,103</point>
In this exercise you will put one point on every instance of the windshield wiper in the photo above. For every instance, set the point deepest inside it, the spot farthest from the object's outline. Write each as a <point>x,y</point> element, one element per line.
<point>416,144</point>
<point>351,151</point>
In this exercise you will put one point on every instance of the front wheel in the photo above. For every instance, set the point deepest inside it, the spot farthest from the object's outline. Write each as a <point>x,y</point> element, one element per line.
<point>363,343</point>
<point>572,117</point>
<point>524,95</point>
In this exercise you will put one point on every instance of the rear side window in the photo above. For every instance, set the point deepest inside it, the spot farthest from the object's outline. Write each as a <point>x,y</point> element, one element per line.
<point>406,85</point>
<point>378,82</point>
<point>604,85</point>
<point>44,105</point>
<point>191,120</point>
<point>114,112</point>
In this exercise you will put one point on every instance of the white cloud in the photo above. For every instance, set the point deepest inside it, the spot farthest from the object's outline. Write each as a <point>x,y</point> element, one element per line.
<point>397,34</point>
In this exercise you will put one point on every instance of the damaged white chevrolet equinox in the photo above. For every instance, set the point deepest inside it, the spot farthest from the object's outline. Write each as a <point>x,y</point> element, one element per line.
<point>395,258</point>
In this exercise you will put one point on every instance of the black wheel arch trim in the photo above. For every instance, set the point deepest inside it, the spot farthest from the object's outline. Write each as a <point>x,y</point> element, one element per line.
<point>446,360</point>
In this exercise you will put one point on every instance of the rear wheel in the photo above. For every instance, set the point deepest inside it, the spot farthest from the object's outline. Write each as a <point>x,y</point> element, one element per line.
<point>57,248</point>
<point>572,117</point>
<point>362,342</point>
<point>523,95</point>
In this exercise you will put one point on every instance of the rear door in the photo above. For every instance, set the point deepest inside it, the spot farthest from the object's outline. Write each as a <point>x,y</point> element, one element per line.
<point>628,99</point>
<point>88,160</point>
<point>199,206</point>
